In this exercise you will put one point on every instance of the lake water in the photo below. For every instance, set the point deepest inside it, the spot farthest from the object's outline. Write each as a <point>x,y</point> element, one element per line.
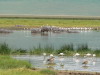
<point>51,7</point>
<point>25,40</point>
<point>70,63</point>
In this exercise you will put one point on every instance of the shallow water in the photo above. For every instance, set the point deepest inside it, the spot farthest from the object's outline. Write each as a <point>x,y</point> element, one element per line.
<point>51,7</point>
<point>26,40</point>
<point>70,63</point>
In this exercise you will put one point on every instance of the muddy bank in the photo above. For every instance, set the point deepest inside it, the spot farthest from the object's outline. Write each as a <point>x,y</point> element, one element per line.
<point>77,73</point>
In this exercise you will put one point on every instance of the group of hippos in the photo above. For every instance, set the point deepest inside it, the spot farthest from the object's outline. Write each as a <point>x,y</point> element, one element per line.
<point>5,31</point>
<point>55,29</point>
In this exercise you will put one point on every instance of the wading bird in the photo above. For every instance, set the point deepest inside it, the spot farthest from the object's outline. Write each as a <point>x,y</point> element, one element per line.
<point>85,62</point>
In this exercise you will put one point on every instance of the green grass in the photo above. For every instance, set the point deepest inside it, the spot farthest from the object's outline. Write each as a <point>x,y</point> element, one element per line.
<point>24,71</point>
<point>48,72</point>
<point>6,62</point>
<point>6,22</point>
<point>19,71</point>
<point>10,66</point>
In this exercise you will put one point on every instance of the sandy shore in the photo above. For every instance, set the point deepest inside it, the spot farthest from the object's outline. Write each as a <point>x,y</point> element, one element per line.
<point>50,16</point>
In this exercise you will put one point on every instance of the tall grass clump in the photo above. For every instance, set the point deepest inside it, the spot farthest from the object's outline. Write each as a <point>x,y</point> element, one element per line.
<point>4,49</point>
<point>39,50</point>
<point>19,51</point>
<point>36,50</point>
<point>6,62</point>
<point>83,49</point>
<point>49,49</point>
<point>97,52</point>
<point>66,49</point>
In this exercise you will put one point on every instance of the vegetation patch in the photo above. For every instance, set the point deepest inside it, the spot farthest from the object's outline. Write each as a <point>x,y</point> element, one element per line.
<point>6,62</point>
<point>48,72</point>
<point>19,71</point>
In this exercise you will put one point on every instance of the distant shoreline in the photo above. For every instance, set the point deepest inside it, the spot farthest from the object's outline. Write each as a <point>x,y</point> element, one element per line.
<point>50,16</point>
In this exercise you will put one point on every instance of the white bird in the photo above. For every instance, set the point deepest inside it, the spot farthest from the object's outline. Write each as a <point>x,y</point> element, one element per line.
<point>94,55</point>
<point>77,60</point>
<point>88,54</point>
<point>51,55</point>
<point>94,63</point>
<point>61,54</point>
<point>93,58</point>
<point>44,54</point>
<point>77,54</point>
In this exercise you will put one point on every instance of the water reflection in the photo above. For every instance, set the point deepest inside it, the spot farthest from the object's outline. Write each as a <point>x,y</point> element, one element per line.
<point>44,34</point>
<point>3,34</point>
<point>85,67</point>
<point>26,40</point>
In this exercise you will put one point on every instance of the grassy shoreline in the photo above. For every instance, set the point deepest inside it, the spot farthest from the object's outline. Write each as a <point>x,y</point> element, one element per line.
<point>30,23</point>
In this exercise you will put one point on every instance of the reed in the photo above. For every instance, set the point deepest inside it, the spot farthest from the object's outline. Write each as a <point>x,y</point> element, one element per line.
<point>36,50</point>
<point>97,52</point>
<point>19,51</point>
<point>83,47</point>
<point>67,49</point>
<point>49,49</point>
<point>4,49</point>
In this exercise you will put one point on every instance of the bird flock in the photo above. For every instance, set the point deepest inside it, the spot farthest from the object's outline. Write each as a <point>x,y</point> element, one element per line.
<point>76,58</point>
